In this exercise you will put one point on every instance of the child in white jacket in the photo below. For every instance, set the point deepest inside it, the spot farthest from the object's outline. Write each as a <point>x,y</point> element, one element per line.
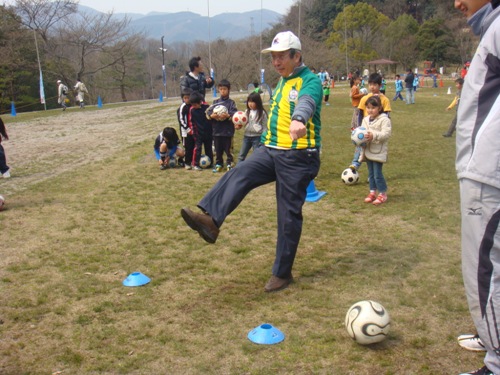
<point>375,152</point>
<point>257,124</point>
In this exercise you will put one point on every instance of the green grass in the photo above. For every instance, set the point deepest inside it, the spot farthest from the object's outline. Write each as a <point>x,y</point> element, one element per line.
<point>69,241</point>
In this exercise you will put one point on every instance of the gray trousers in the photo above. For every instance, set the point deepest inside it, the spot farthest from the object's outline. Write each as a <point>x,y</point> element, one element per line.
<point>292,170</point>
<point>452,127</point>
<point>480,208</point>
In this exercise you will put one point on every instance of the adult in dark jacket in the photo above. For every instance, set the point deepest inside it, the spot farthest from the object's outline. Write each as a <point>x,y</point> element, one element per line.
<point>195,79</point>
<point>410,93</point>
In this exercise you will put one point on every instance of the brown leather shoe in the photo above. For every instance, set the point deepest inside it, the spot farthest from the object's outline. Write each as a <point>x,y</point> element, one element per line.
<point>276,283</point>
<point>202,223</point>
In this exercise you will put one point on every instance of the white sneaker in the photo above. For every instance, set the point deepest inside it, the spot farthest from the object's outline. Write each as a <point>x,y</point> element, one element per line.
<point>6,174</point>
<point>471,342</point>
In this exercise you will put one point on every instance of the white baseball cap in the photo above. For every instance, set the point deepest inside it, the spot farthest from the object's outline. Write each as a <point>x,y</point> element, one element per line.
<point>283,42</point>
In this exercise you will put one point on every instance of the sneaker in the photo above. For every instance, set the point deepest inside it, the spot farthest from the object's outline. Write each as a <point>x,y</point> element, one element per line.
<point>163,167</point>
<point>482,371</point>
<point>202,223</point>
<point>187,167</point>
<point>371,197</point>
<point>446,135</point>
<point>471,342</point>
<point>229,167</point>
<point>276,283</point>
<point>381,198</point>
<point>6,174</point>
<point>353,168</point>
<point>196,168</point>
<point>217,168</point>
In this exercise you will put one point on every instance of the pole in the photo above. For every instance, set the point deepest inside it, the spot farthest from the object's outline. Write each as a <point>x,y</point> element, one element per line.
<point>345,42</point>
<point>212,73</point>
<point>300,2</point>
<point>42,91</point>
<point>260,54</point>
<point>209,50</point>
<point>164,72</point>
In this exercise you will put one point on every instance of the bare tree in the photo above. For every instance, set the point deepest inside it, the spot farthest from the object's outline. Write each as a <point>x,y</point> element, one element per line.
<point>125,72</point>
<point>43,15</point>
<point>90,43</point>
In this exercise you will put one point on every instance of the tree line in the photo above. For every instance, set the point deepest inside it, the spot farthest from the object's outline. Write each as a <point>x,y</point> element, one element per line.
<point>119,65</point>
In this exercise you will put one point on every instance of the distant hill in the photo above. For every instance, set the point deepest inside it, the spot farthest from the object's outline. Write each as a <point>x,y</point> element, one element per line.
<point>189,26</point>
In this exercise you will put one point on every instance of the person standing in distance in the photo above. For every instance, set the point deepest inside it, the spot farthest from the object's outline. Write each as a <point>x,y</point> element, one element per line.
<point>289,156</point>
<point>195,79</point>
<point>478,171</point>
<point>62,92</point>
<point>81,90</point>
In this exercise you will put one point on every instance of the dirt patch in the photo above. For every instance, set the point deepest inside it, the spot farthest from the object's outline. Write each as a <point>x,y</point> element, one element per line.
<point>45,147</point>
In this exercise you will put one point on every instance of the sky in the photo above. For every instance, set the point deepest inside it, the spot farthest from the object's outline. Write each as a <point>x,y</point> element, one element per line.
<point>196,6</point>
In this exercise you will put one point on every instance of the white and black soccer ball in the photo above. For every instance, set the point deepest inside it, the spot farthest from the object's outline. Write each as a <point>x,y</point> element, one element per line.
<point>205,161</point>
<point>367,322</point>
<point>220,109</point>
<point>2,202</point>
<point>363,91</point>
<point>358,136</point>
<point>349,176</point>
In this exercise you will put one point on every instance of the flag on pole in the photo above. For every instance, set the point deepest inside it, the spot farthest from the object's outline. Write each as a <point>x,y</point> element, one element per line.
<point>42,91</point>
<point>164,75</point>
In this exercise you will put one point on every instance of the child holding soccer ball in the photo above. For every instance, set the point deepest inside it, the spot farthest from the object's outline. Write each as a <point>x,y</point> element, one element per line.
<point>223,127</point>
<point>375,152</point>
<point>257,124</point>
<point>374,84</point>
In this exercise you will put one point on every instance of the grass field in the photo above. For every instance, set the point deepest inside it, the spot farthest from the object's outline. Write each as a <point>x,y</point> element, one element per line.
<point>83,213</point>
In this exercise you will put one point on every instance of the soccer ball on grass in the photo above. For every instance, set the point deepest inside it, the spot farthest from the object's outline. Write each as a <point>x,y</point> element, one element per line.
<point>367,322</point>
<point>205,161</point>
<point>350,176</point>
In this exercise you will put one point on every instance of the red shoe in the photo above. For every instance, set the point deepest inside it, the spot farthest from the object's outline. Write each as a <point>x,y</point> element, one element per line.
<point>371,197</point>
<point>382,198</point>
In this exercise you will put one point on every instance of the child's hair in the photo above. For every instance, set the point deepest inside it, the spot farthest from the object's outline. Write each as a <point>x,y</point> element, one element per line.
<point>195,97</point>
<point>256,84</point>
<point>375,102</point>
<point>186,92</point>
<point>224,83</point>
<point>170,135</point>
<point>255,98</point>
<point>398,76</point>
<point>460,81</point>
<point>3,130</point>
<point>353,79</point>
<point>375,78</point>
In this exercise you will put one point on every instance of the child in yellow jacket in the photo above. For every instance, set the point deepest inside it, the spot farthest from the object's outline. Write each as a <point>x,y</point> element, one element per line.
<point>459,82</point>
